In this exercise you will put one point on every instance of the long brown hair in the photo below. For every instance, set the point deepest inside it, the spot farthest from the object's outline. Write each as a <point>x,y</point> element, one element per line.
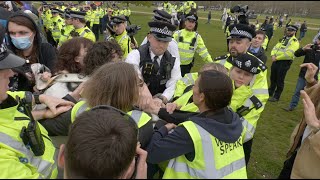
<point>69,51</point>
<point>24,21</point>
<point>115,84</point>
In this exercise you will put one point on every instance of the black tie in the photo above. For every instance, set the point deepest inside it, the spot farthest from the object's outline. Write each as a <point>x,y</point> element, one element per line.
<point>156,64</point>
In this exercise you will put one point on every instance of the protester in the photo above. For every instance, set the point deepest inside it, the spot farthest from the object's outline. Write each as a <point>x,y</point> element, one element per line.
<point>25,41</point>
<point>190,148</point>
<point>303,155</point>
<point>102,143</point>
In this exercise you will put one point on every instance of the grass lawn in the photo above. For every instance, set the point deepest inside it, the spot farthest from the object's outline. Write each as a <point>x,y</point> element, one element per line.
<point>275,125</point>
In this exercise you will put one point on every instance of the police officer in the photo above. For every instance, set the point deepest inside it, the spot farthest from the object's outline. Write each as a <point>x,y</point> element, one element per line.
<point>189,42</point>
<point>167,7</point>
<point>119,24</point>
<point>67,29</point>
<point>239,42</point>
<point>95,21</point>
<point>80,29</point>
<point>18,160</point>
<point>56,25</point>
<point>282,56</point>
<point>159,69</point>
<point>163,16</point>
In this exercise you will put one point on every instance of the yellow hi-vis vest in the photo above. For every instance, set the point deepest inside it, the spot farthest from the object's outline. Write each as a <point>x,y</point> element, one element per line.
<point>140,117</point>
<point>65,33</point>
<point>284,50</point>
<point>18,161</point>
<point>183,83</point>
<point>84,32</point>
<point>56,26</point>
<point>209,161</point>
<point>265,42</point>
<point>190,42</point>
<point>255,103</point>
<point>124,41</point>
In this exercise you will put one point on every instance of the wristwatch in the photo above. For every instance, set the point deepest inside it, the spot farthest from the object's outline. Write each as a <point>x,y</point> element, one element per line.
<point>36,98</point>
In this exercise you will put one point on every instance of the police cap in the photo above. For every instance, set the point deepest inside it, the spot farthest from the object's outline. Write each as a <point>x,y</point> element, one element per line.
<point>292,27</point>
<point>77,14</point>
<point>241,31</point>
<point>161,30</point>
<point>249,63</point>
<point>55,10</point>
<point>9,60</point>
<point>67,14</point>
<point>118,19</point>
<point>193,17</point>
<point>161,15</point>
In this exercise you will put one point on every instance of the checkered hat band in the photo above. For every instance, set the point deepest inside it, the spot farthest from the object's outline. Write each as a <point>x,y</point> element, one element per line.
<point>164,31</point>
<point>240,33</point>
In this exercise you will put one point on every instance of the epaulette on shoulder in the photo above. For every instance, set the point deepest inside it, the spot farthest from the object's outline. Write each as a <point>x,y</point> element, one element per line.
<point>59,20</point>
<point>221,57</point>
<point>87,30</point>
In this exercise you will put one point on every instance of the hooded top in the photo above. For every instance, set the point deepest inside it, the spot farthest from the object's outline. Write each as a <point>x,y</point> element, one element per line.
<point>224,124</point>
<point>47,55</point>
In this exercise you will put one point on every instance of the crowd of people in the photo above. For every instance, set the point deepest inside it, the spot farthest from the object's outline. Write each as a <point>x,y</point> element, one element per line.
<point>126,110</point>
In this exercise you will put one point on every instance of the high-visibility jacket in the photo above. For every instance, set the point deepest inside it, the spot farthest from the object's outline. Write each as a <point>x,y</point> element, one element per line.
<point>167,7</point>
<point>56,26</point>
<point>116,12</point>
<point>190,42</point>
<point>209,162</point>
<point>95,17</point>
<point>83,32</point>
<point>17,161</point>
<point>275,26</point>
<point>46,18</point>
<point>140,117</point>
<point>188,80</point>
<point>265,42</point>
<point>124,41</point>
<point>253,105</point>
<point>284,50</point>
<point>65,32</point>
<point>87,17</point>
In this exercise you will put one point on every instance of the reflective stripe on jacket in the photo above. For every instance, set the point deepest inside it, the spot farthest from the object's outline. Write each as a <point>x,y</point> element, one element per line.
<point>209,162</point>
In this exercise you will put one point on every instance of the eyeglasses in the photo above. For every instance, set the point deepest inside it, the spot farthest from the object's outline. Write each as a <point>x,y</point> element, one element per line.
<point>140,83</point>
<point>125,115</point>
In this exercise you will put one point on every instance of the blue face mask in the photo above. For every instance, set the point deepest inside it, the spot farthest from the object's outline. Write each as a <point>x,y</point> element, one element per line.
<point>22,43</point>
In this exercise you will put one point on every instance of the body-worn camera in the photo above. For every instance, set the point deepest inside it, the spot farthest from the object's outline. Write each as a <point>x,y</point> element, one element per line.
<point>315,47</point>
<point>31,135</point>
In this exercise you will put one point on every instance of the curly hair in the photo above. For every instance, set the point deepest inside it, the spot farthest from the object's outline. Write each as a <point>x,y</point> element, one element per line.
<point>69,51</point>
<point>101,53</point>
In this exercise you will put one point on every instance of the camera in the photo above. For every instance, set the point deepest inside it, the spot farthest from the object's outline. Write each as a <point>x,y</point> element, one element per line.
<point>133,29</point>
<point>31,135</point>
<point>242,10</point>
<point>315,47</point>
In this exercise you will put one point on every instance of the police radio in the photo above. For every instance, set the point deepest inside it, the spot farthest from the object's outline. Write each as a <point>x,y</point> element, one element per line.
<point>31,135</point>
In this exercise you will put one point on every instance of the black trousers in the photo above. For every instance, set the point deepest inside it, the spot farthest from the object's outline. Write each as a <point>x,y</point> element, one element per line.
<point>279,71</point>
<point>95,30</point>
<point>185,69</point>
<point>88,24</point>
<point>287,167</point>
<point>247,150</point>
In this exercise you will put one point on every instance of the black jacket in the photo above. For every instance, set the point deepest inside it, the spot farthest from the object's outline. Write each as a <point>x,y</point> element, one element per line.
<point>260,54</point>
<point>47,55</point>
<point>310,56</point>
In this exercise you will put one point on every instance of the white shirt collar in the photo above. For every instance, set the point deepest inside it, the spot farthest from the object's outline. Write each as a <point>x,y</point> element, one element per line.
<point>152,55</point>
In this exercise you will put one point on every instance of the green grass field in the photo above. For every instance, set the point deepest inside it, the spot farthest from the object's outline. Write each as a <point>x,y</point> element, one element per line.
<point>275,125</point>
